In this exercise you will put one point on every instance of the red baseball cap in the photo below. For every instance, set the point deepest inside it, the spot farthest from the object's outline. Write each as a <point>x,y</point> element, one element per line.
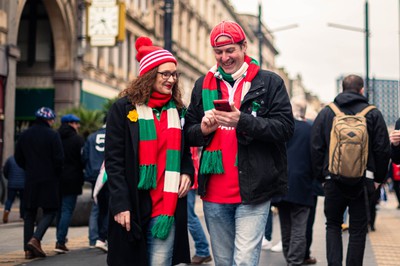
<point>229,29</point>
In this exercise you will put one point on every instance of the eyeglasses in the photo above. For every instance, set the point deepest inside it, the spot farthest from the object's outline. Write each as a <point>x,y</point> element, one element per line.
<point>166,75</point>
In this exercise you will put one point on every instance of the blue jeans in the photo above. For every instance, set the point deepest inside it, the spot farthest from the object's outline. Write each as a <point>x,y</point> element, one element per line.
<point>93,224</point>
<point>160,251</point>
<point>236,231</point>
<point>42,225</point>
<point>195,228</point>
<point>68,203</point>
<point>11,194</point>
<point>269,226</point>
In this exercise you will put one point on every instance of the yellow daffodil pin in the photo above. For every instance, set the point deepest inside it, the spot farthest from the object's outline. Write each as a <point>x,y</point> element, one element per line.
<point>133,116</point>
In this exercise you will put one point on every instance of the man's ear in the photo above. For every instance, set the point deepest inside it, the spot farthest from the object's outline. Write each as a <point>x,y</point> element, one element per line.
<point>362,91</point>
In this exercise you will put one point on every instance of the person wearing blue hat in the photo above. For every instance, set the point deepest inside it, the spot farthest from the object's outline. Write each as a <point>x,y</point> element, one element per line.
<point>71,177</point>
<point>40,153</point>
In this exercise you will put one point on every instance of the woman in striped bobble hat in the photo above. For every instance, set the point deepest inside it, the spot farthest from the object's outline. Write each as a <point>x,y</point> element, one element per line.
<point>148,166</point>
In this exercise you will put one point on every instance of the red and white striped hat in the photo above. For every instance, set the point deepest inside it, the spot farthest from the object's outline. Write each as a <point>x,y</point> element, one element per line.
<point>150,56</point>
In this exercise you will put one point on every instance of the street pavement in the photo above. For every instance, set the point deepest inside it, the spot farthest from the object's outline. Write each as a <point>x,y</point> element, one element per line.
<point>382,247</point>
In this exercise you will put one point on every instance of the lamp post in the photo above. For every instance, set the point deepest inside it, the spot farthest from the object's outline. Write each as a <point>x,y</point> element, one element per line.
<point>365,30</point>
<point>168,9</point>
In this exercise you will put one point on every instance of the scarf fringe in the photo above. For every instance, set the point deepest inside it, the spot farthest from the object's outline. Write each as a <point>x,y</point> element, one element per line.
<point>147,178</point>
<point>162,226</point>
<point>211,162</point>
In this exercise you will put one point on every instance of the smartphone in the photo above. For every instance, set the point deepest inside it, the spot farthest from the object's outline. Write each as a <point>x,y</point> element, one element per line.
<point>222,105</point>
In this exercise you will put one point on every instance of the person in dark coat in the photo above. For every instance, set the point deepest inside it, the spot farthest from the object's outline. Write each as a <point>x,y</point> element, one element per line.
<point>339,194</point>
<point>148,166</point>
<point>395,141</point>
<point>39,152</point>
<point>71,176</point>
<point>294,207</point>
<point>15,186</point>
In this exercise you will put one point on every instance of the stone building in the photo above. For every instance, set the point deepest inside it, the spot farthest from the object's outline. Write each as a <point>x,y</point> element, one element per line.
<point>47,60</point>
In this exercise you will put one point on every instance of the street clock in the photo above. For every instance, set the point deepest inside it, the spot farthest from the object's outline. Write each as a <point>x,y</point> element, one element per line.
<point>105,22</point>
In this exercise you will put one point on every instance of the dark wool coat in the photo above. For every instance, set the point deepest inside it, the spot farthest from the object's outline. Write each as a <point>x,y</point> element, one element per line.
<point>40,153</point>
<point>72,173</point>
<point>122,166</point>
<point>300,178</point>
<point>262,162</point>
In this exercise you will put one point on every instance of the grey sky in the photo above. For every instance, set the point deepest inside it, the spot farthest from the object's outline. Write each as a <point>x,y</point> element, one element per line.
<point>321,53</point>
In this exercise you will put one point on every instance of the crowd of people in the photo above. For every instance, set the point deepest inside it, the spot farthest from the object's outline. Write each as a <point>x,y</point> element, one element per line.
<point>258,152</point>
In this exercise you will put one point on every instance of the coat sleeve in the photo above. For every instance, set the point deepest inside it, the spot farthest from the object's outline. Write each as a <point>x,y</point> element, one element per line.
<point>319,146</point>
<point>276,124</point>
<point>115,159</point>
<point>395,150</point>
<point>380,146</point>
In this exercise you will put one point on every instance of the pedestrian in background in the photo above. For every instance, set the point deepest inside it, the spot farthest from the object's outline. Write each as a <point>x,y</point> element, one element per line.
<point>15,176</point>
<point>341,193</point>
<point>39,152</point>
<point>93,157</point>
<point>243,161</point>
<point>294,207</point>
<point>202,251</point>
<point>149,167</point>
<point>395,156</point>
<point>71,177</point>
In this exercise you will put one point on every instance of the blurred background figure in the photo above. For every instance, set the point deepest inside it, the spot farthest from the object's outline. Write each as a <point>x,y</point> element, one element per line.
<point>93,157</point>
<point>202,251</point>
<point>71,176</point>
<point>39,152</point>
<point>15,187</point>
<point>294,207</point>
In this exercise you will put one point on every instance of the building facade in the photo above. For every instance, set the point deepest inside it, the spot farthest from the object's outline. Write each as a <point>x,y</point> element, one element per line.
<point>48,61</point>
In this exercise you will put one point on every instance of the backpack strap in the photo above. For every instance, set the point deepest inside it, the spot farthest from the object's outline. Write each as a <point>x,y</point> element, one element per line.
<point>335,109</point>
<point>365,111</point>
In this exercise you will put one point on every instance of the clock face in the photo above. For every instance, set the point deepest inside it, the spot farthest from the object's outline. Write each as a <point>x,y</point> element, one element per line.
<point>103,21</point>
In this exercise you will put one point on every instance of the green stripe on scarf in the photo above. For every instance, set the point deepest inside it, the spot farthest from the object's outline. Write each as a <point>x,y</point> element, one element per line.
<point>211,162</point>
<point>148,171</point>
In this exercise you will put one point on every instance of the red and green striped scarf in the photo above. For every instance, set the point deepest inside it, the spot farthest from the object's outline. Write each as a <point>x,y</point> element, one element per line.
<point>211,162</point>
<point>148,162</point>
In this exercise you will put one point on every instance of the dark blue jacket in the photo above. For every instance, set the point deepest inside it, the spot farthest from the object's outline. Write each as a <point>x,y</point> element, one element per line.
<point>14,174</point>
<point>299,166</point>
<point>93,154</point>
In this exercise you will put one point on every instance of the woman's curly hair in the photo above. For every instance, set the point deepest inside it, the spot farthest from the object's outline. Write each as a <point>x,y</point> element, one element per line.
<point>140,89</point>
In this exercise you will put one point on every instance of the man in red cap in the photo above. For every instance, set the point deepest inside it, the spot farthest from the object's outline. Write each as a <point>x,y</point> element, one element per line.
<point>243,162</point>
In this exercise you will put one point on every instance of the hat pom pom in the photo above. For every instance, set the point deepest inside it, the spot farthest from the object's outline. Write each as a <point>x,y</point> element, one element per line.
<point>143,41</point>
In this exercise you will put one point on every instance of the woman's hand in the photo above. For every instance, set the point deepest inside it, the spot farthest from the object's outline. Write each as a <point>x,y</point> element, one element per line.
<point>184,185</point>
<point>124,219</point>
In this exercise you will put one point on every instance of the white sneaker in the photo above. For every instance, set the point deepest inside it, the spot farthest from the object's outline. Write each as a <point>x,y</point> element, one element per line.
<point>101,245</point>
<point>266,244</point>
<point>277,247</point>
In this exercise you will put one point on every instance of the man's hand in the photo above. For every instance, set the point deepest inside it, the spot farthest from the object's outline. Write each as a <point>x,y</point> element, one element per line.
<point>208,123</point>
<point>227,119</point>
<point>184,185</point>
<point>395,137</point>
<point>124,219</point>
